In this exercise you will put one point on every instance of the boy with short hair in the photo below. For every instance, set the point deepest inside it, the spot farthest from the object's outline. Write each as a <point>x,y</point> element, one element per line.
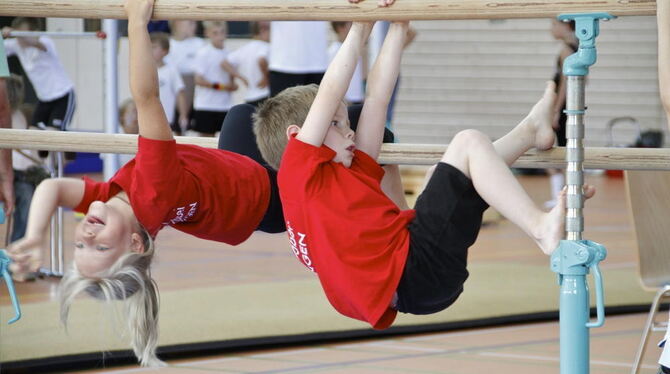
<point>373,259</point>
<point>213,84</point>
<point>170,84</point>
<point>249,63</point>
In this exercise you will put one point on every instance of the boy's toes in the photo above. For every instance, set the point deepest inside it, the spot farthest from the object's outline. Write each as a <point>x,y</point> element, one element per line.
<point>550,86</point>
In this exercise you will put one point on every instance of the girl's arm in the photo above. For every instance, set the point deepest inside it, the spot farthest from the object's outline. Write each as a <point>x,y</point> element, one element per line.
<point>143,73</point>
<point>49,195</point>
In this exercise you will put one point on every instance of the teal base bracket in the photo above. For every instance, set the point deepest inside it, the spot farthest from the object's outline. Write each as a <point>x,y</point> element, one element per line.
<point>572,261</point>
<point>4,270</point>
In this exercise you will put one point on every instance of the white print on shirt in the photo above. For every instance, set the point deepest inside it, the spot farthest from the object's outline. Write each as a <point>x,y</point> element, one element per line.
<point>180,216</point>
<point>299,247</point>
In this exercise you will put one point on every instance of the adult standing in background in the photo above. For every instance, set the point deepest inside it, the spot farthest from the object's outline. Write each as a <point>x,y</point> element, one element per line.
<point>298,53</point>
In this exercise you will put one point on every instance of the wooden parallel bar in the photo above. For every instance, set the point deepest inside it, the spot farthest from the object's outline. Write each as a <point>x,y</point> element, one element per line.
<point>406,154</point>
<point>328,10</point>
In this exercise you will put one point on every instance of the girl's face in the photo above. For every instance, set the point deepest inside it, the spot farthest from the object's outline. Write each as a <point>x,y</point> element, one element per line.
<point>101,238</point>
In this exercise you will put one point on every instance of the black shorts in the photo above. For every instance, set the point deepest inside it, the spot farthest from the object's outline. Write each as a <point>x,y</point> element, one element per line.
<point>207,121</point>
<point>560,131</point>
<point>448,218</point>
<point>56,113</point>
<point>281,81</point>
<point>273,220</point>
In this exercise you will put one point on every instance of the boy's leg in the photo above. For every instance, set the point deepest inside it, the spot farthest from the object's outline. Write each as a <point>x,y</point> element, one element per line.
<point>62,112</point>
<point>473,154</point>
<point>487,165</point>
<point>534,131</point>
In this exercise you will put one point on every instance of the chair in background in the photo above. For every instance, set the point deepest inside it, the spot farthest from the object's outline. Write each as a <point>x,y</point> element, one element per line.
<point>649,203</point>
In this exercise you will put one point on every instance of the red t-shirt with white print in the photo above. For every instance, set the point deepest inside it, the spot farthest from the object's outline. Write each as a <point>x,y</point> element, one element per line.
<point>343,227</point>
<point>209,193</point>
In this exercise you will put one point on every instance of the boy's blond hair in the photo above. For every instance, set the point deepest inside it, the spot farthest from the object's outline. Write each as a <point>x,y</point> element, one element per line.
<point>276,114</point>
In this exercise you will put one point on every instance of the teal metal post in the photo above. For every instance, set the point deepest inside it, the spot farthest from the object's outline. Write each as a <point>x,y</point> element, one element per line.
<point>574,257</point>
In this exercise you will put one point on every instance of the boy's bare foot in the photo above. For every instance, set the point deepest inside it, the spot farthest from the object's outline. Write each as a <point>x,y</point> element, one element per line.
<point>551,228</point>
<point>541,117</point>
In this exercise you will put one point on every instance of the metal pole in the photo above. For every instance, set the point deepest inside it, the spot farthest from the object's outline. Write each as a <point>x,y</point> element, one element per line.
<point>111,162</point>
<point>60,226</point>
<point>574,257</point>
<point>574,156</point>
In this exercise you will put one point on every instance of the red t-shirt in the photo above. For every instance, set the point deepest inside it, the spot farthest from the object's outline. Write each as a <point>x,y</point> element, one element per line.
<point>343,227</point>
<point>209,193</point>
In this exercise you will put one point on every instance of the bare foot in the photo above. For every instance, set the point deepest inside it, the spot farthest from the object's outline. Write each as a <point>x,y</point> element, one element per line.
<point>541,118</point>
<point>552,224</point>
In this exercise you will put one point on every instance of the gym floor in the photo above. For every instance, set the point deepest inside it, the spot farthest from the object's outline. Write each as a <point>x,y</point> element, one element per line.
<point>522,348</point>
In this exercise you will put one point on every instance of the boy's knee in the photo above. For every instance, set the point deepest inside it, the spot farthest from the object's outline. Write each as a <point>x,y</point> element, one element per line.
<point>469,138</point>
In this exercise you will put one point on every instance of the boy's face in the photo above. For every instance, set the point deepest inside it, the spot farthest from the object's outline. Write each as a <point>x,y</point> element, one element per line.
<point>184,28</point>
<point>100,239</point>
<point>340,137</point>
<point>158,52</point>
<point>217,35</point>
<point>25,40</point>
<point>264,31</point>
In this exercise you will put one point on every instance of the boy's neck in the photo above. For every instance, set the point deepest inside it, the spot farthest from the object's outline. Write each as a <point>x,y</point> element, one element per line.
<point>160,63</point>
<point>179,37</point>
<point>219,46</point>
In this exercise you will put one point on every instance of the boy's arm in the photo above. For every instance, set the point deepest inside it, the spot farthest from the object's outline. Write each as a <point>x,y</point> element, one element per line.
<point>663,16</point>
<point>49,195</point>
<point>381,82</point>
<point>265,70</point>
<point>333,86</point>
<point>201,81</point>
<point>143,74</point>
<point>230,69</point>
<point>184,109</point>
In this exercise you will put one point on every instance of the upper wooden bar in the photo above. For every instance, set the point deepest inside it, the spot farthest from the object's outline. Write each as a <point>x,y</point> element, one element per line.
<point>328,10</point>
<point>405,154</point>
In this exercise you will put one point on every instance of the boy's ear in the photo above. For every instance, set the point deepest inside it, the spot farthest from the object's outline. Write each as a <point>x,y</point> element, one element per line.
<point>292,130</point>
<point>136,243</point>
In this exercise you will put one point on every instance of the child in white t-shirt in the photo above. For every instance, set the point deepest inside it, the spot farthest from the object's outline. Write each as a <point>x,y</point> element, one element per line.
<point>249,64</point>
<point>356,92</point>
<point>170,84</point>
<point>213,84</point>
<point>184,46</point>
<point>39,59</point>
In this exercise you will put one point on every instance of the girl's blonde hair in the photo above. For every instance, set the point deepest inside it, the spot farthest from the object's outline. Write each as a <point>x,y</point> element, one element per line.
<point>128,279</point>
